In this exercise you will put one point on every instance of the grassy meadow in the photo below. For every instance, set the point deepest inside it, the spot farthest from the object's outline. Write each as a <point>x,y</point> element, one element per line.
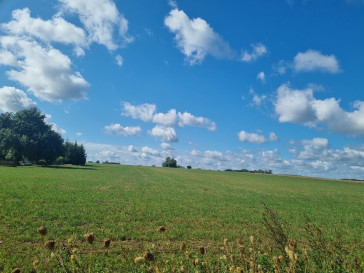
<point>177,220</point>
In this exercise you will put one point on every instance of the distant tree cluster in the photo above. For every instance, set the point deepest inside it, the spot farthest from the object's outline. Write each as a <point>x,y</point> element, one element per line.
<point>170,163</point>
<point>248,171</point>
<point>25,136</point>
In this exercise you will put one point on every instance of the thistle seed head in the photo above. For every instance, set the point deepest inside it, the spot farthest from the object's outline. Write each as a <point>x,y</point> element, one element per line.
<point>148,256</point>
<point>42,230</point>
<point>161,229</point>
<point>202,250</point>
<point>107,243</point>
<point>90,237</point>
<point>50,244</point>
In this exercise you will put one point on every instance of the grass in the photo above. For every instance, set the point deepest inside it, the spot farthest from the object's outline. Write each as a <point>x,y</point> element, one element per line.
<point>127,204</point>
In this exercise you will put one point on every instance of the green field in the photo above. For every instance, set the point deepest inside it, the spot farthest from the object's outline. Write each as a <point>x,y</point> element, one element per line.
<point>199,208</point>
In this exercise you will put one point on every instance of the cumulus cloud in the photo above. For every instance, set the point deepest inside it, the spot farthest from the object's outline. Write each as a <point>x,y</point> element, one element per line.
<point>187,119</point>
<point>117,129</point>
<point>164,133</point>
<point>166,146</point>
<point>14,100</point>
<point>251,137</point>
<point>169,119</point>
<point>300,106</point>
<point>55,30</point>
<point>258,51</point>
<point>46,72</point>
<point>256,138</point>
<point>145,111</point>
<point>147,151</point>
<point>313,60</point>
<point>102,20</point>
<point>196,38</point>
<point>131,149</point>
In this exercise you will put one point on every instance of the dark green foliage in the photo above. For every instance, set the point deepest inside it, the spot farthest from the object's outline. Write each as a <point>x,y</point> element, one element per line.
<point>74,154</point>
<point>25,135</point>
<point>189,167</point>
<point>170,162</point>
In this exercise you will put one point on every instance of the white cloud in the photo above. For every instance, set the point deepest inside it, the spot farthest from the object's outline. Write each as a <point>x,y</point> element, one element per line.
<point>165,133</point>
<point>78,134</point>
<point>312,157</point>
<point>145,111</point>
<point>169,119</point>
<point>147,151</point>
<point>131,149</point>
<point>313,60</point>
<point>119,60</point>
<point>258,51</point>
<point>213,155</point>
<point>256,138</point>
<point>117,129</point>
<point>251,137</point>
<point>55,30</point>
<point>46,72</point>
<point>261,76</point>
<point>166,146</point>
<point>172,4</point>
<point>195,37</point>
<point>13,100</point>
<point>195,152</point>
<point>273,136</point>
<point>187,119</point>
<point>54,126</point>
<point>102,20</point>
<point>300,106</point>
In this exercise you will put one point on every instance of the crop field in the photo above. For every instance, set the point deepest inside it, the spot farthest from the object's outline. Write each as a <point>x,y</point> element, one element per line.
<point>176,220</point>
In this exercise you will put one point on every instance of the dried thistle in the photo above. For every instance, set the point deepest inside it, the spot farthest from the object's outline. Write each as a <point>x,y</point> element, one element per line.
<point>182,247</point>
<point>226,242</point>
<point>251,238</point>
<point>16,270</point>
<point>50,244</point>
<point>196,262</point>
<point>183,269</point>
<point>35,263</point>
<point>42,230</point>
<point>90,237</point>
<point>202,250</point>
<point>161,229</point>
<point>107,243</point>
<point>139,260</point>
<point>148,256</point>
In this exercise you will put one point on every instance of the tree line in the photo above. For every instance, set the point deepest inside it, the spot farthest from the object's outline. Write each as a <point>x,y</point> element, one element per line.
<point>26,137</point>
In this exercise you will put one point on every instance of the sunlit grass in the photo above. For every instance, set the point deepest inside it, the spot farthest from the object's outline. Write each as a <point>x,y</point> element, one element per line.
<point>128,204</point>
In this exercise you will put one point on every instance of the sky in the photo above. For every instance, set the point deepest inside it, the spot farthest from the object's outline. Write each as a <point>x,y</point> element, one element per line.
<point>234,84</point>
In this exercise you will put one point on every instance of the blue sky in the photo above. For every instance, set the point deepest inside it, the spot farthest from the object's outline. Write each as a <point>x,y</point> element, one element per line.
<point>225,84</point>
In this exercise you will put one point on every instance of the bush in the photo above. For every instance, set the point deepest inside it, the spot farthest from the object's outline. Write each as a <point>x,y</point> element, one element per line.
<point>60,160</point>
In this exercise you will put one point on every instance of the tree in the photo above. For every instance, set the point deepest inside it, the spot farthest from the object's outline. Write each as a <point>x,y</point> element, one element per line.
<point>74,154</point>
<point>25,135</point>
<point>189,167</point>
<point>170,162</point>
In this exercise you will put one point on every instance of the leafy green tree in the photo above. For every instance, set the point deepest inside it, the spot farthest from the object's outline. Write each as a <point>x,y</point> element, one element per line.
<point>25,135</point>
<point>74,154</point>
<point>170,162</point>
